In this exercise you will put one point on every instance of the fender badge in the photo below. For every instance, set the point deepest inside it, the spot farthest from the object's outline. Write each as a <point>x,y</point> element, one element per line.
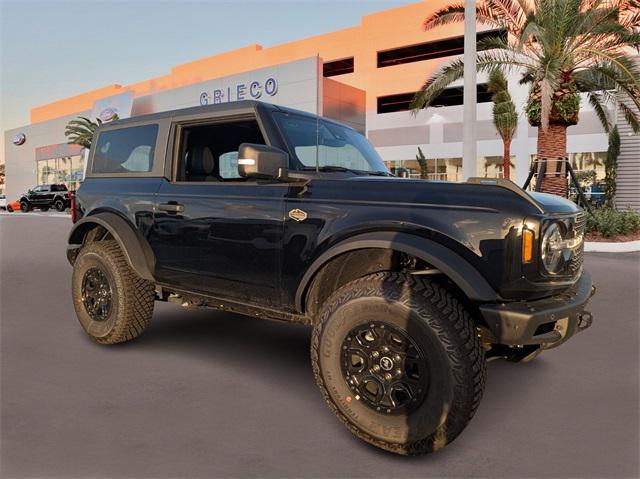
<point>297,215</point>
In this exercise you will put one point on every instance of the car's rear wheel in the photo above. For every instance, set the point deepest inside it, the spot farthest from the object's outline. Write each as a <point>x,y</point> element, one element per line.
<point>25,206</point>
<point>59,205</point>
<point>112,302</point>
<point>399,362</point>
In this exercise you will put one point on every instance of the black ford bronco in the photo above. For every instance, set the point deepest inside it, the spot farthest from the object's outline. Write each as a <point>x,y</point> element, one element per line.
<point>44,197</point>
<point>410,285</point>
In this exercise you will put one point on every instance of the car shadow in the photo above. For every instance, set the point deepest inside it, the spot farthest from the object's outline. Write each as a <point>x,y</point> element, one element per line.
<point>278,352</point>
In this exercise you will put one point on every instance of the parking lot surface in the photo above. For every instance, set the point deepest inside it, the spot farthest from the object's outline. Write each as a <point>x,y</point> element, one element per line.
<point>210,394</point>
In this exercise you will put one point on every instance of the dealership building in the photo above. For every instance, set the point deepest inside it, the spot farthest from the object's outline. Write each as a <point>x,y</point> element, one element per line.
<point>364,76</point>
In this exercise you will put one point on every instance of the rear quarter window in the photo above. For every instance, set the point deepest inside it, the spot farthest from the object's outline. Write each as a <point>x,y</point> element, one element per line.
<point>126,150</point>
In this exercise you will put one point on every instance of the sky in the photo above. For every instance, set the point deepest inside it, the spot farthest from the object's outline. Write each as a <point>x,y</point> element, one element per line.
<point>54,49</point>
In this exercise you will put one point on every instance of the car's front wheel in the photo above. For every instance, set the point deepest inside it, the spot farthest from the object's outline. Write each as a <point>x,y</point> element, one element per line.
<point>399,362</point>
<point>112,302</point>
<point>25,206</point>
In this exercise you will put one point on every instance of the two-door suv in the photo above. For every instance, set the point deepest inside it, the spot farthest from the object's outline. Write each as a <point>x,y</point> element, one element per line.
<point>409,285</point>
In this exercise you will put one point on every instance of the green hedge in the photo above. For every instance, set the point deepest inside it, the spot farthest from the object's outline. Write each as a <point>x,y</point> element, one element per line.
<point>609,222</point>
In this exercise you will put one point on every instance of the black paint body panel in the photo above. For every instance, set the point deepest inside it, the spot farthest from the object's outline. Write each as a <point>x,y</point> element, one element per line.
<point>236,240</point>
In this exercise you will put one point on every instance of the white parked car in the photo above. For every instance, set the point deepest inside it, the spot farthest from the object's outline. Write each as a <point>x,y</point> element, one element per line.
<point>3,202</point>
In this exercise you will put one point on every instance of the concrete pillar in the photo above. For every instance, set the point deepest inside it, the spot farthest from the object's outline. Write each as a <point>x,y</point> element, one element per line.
<point>469,136</point>
<point>520,144</point>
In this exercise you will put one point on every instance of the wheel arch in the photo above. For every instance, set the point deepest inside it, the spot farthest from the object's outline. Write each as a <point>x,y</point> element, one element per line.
<point>136,250</point>
<point>464,275</point>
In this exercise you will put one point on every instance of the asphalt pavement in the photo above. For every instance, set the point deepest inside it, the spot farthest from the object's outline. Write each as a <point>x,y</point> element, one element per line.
<point>210,394</point>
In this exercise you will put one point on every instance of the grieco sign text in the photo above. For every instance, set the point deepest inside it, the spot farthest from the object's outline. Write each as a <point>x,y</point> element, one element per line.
<point>241,91</point>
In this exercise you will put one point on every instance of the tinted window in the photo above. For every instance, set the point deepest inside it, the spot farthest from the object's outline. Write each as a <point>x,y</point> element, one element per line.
<point>58,188</point>
<point>126,150</point>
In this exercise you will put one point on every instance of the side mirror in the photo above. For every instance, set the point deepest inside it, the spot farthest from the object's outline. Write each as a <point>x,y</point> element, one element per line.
<point>261,161</point>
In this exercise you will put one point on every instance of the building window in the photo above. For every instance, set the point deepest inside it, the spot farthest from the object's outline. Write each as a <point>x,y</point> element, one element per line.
<point>65,170</point>
<point>449,97</point>
<point>492,167</point>
<point>430,50</point>
<point>440,169</point>
<point>338,67</point>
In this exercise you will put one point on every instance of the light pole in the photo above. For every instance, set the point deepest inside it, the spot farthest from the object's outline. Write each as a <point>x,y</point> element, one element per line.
<point>469,147</point>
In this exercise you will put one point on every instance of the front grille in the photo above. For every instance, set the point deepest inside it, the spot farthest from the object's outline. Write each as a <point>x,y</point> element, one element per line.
<point>579,222</point>
<point>575,263</point>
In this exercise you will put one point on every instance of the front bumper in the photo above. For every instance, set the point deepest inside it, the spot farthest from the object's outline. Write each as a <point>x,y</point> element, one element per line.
<point>546,322</point>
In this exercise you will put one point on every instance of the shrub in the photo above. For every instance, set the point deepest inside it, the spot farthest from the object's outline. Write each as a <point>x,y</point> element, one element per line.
<point>610,222</point>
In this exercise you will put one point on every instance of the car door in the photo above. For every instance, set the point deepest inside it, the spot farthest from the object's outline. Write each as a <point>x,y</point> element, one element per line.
<point>46,194</point>
<point>213,231</point>
<point>36,195</point>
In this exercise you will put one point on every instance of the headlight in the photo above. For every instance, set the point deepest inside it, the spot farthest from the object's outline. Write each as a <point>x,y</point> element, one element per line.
<point>553,249</point>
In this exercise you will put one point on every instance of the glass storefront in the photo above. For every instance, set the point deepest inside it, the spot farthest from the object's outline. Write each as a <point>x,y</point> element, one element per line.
<point>589,162</point>
<point>65,170</point>
<point>450,169</point>
<point>444,169</point>
<point>492,167</point>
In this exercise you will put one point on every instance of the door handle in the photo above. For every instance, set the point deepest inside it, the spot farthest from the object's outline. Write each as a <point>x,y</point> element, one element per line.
<point>171,207</point>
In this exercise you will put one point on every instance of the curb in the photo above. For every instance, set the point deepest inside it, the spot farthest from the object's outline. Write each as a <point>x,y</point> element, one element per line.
<point>604,247</point>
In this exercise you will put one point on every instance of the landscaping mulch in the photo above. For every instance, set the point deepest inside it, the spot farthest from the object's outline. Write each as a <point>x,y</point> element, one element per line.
<point>597,237</point>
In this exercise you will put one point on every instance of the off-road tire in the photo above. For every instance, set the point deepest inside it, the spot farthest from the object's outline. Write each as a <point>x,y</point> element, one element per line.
<point>439,324</point>
<point>59,205</point>
<point>132,297</point>
<point>25,206</point>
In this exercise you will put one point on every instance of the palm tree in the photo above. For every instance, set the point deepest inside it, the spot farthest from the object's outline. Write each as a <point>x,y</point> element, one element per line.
<point>80,131</point>
<point>422,162</point>
<point>505,117</point>
<point>560,48</point>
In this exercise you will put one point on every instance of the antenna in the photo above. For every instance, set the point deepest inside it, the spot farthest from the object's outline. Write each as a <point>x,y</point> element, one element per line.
<point>318,86</point>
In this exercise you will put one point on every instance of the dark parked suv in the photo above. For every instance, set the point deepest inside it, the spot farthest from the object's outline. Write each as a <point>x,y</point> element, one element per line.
<point>409,285</point>
<point>44,197</point>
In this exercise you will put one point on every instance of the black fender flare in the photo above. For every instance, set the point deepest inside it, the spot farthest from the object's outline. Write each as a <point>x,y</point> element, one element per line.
<point>135,248</point>
<point>454,266</point>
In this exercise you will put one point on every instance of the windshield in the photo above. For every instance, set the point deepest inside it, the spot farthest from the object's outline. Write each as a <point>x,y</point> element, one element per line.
<point>338,146</point>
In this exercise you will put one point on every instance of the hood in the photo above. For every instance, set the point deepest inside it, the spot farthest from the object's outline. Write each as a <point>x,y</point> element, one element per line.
<point>553,204</point>
<point>494,195</point>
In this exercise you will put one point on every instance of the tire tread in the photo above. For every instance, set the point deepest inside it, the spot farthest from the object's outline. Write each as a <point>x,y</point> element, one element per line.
<point>458,336</point>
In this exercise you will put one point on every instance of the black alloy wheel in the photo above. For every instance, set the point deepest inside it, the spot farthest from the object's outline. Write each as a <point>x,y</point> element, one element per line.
<point>96,294</point>
<point>384,368</point>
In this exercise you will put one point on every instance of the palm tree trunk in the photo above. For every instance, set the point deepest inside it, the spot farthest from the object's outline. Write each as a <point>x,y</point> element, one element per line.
<point>552,146</point>
<point>507,159</point>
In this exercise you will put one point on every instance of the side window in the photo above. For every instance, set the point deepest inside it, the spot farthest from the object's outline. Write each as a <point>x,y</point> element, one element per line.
<point>210,152</point>
<point>126,150</point>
